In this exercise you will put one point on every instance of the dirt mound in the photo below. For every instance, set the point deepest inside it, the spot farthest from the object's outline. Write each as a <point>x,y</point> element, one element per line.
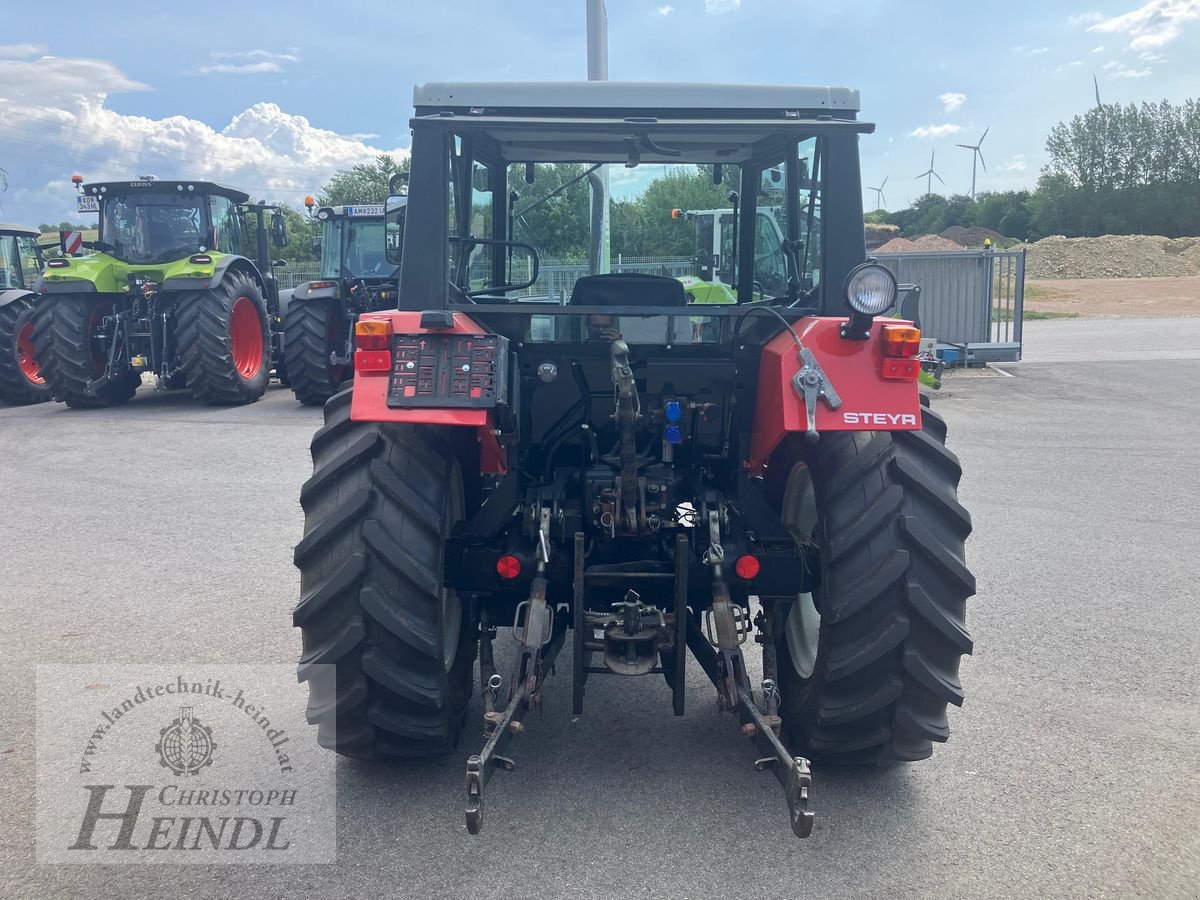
<point>878,235</point>
<point>926,243</point>
<point>1112,256</point>
<point>974,236</point>
<point>897,245</point>
<point>932,243</point>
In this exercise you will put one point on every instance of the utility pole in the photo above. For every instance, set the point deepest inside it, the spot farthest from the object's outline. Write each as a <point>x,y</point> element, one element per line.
<point>597,69</point>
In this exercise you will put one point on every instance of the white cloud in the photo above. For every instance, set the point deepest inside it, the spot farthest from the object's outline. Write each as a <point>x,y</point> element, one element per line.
<point>247,62</point>
<point>720,7</point>
<point>1087,18</point>
<point>257,68</point>
<point>665,10</point>
<point>1075,62</point>
<point>1037,51</point>
<point>935,131</point>
<point>1149,57</point>
<point>1124,72</point>
<point>1153,24</point>
<point>952,101</point>
<point>1099,49</point>
<point>56,121</point>
<point>1015,164</point>
<point>20,51</point>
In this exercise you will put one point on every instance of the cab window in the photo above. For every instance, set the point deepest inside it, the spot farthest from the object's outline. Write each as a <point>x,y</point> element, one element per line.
<point>227,225</point>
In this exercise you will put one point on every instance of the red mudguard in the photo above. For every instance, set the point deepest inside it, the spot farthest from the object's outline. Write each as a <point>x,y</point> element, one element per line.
<point>368,403</point>
<point>870,402</point>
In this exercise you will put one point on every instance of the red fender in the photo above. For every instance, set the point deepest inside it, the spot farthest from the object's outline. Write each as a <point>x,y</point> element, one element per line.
<point>368,402</point>
<point>870,402</point>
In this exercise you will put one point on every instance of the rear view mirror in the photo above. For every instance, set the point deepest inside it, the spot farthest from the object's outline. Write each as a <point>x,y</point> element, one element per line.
<point>278,230</point>
<point>316,244</point>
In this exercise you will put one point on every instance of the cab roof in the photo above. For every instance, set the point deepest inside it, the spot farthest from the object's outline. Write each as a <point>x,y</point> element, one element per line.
<point>650,96</point>
<point>22,230</point>
<point>159,186</point>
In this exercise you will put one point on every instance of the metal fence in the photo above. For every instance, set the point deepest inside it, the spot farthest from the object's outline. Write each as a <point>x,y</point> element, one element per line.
<point>971,300</point>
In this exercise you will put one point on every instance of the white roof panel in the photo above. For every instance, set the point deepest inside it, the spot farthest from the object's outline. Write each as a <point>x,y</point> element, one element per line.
<point>639,95</point>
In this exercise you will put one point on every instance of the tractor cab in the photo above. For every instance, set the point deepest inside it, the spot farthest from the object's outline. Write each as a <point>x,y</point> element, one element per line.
<point>152,223</point>
<point>352,244</point>
<point>20,257</point>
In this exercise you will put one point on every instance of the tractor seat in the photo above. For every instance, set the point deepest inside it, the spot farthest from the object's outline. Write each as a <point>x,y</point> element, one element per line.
<point>627,290</point>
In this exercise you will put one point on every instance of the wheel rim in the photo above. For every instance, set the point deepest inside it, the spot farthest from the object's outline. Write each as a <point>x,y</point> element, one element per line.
<point>246,337</point>
<point>336,343</point>
<point>25,361</point>
<point>802,629</point>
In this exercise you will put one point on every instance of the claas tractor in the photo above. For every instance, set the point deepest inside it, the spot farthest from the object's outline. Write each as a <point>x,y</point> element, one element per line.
<point>20,264</point>
<point>767,498</point>
<point>170,289</point>
<point>355,277</point>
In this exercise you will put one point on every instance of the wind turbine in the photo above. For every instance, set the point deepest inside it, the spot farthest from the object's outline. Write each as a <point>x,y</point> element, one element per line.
<point>976,156</point>
<point>1096,85</point>
<point>879,198</point>
<point>929,176</point>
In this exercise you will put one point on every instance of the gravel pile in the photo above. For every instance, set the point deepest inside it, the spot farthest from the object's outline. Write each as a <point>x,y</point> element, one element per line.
<point>1112,256</point>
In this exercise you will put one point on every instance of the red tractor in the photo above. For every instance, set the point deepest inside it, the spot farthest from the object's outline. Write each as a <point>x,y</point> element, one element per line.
<point>619,469</point>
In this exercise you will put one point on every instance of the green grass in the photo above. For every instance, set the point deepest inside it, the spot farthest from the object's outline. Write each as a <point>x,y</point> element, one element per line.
<point>1000,314</point>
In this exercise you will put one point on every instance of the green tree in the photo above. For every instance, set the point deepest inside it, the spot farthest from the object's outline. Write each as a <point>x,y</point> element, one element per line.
<point>363,183</point>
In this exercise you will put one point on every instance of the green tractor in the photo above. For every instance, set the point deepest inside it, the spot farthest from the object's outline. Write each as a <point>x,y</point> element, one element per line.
<point>715,244</point>
<point>355,277</point>
<point>169,290</point>
<point>20,263</point>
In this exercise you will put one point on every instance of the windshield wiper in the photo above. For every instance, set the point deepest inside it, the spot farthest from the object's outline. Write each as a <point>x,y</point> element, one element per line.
<point>558,190</point>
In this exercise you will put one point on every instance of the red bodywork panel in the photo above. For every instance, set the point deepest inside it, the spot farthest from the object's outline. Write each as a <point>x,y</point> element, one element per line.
<point>855,368</point>
<point>368,403</point>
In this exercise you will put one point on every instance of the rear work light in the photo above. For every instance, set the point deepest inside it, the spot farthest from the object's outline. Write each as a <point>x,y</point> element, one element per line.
<point>373,346</point>
<point>901,341</point>
<point>58,263</point>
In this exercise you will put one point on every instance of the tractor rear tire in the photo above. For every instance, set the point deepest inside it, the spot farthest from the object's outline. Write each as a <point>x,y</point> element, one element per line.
<point>70,358</point>
<point>388,652</point>
<point>869,661</point>
<point>224,341</point>
<point>20,381</point>
<point>312,330</point>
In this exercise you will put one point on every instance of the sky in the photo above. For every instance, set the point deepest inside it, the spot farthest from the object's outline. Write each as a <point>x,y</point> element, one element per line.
<point>275,97</point>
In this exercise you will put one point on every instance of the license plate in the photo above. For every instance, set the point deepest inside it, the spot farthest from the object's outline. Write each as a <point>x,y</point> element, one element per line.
<point>87,203</point>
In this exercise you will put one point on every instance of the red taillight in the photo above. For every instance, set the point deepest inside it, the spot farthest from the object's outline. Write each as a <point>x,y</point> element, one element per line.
<point>747,566</point>
<point>900,341</point>
<point>373,335</point>
<point>508,567</point>
<point>316,285</point>
<point>373,346</point>
<point>901,369</point>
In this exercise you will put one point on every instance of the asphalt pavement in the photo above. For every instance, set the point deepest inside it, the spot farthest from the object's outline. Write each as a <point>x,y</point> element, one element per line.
<point>164,530</point>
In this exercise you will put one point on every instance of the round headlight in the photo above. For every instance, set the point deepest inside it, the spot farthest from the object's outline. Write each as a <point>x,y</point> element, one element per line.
<point>871,289</point>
